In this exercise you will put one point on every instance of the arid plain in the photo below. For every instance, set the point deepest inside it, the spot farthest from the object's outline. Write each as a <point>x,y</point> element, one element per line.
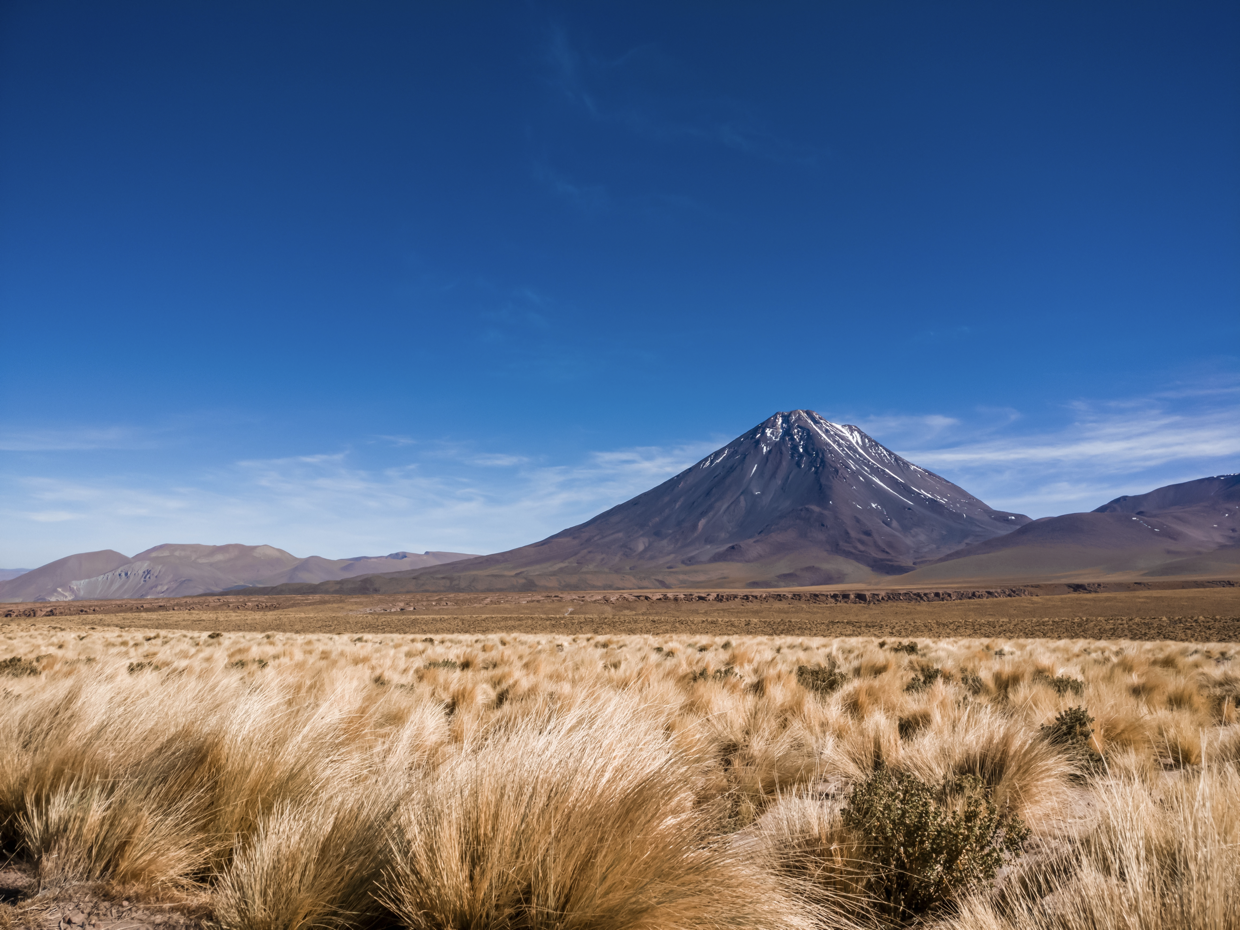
<point>1193,611</point>
<point>974,758</point>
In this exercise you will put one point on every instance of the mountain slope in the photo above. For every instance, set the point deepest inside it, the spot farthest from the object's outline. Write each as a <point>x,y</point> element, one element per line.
<point>796,500</point>
<point>55,576</point>
<point>315,568</point>
<point>181,570</point>
<point>1187,528</point>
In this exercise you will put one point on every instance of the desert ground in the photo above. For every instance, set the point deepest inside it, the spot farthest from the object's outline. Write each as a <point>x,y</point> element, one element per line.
<point>987,759</point>
<point>1200,611</point>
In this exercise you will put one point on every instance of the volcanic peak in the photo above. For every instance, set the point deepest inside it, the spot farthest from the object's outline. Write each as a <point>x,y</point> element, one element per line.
<point>795,486</point>
<point>811,440</point>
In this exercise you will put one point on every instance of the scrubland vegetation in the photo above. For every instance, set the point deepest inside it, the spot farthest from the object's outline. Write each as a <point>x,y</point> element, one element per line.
<point>287,782</point>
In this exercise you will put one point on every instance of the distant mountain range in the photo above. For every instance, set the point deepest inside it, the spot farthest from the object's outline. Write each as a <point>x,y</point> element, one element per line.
<point>178,570</point>
<point>797,500</point>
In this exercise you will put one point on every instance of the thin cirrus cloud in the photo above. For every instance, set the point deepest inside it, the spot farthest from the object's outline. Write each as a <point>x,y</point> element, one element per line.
<point>1106,450</point>
<point>85,439</point>
<point>499,460</point>
<point>648,93</point>
<point>331,505</point>
<point>586,197</point>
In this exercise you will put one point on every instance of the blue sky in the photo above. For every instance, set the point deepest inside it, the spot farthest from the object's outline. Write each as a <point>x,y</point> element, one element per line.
<point>348,278</point>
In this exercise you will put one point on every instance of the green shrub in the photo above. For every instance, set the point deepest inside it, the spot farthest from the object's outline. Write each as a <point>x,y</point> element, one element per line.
<point>719,674</point>
<point>927,846</point>
<point>17,667</point>
<point>1071,730</point>
<point>821,679</point>
<point>1062,684</point>
<point>443,663</point>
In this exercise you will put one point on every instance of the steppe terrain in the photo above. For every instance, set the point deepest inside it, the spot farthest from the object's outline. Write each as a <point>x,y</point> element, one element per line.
<point>788,759</point>
<point>1202,611</point>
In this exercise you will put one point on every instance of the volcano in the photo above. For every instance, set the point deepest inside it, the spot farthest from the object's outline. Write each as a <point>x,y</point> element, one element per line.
<point>796,500</point>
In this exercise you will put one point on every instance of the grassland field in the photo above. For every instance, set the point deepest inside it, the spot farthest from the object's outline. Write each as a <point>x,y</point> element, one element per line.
<point>433,761</point>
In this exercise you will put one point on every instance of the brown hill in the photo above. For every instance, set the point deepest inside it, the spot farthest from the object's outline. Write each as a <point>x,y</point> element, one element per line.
<point>315,568</point>
<point>180,570</point>
<point>1192,528</point>
<point>54,578</point>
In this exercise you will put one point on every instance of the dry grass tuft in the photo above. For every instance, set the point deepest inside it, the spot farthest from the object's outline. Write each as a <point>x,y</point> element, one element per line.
<point>578,781</point>
<point>539,827</point>
<point>1161,855</point>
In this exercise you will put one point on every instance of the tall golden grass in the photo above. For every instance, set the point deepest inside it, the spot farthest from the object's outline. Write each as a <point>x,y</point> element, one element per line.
<point>609,782</point>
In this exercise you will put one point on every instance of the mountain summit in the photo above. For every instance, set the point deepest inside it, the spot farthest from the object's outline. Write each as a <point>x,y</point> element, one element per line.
<point>796,500</point>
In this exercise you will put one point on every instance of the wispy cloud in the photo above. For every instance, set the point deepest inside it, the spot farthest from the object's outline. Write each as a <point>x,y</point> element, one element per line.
<point>1104,449</point>
<point>499,460</point>
<point>923,428</point>
<point>333,505</point>
<point>588,198</point>
<point>395,440</point>
<point>647,92</point>
<point>75,440</point>
<point>51,516</point>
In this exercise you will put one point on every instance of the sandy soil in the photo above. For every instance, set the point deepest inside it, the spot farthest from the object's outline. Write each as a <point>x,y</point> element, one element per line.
<point>85,908</point>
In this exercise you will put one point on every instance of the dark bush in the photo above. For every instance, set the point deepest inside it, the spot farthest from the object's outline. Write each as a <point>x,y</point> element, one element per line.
<point>719,674</point>
<point>1070,731</point>
<point>912,724</point>
<point>910,648</point>
<point>17,667</point>
<point>443,663</point>
<point>1062,684</point>
<point>972,682</point>
<point>821,679</point>
<point>928,846</point>
<point>924,678</point>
